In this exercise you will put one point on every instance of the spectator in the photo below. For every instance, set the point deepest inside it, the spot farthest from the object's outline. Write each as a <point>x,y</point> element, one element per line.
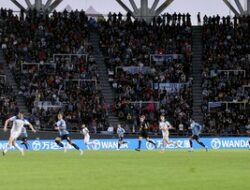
<point>226,75</point>
<point>59,84</point>
<point>128,46</point>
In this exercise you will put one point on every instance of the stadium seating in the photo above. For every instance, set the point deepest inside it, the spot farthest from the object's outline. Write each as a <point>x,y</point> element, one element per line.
<point>226,75</point>
<point>30,46</point>
<point>7,99</point>
<point>135,73</point>
<point>149,67</point>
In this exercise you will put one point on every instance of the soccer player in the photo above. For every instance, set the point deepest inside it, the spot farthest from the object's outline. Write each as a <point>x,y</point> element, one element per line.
<point>120,132</point>
<point>63,133</point>
<point>144,133</point>
<point>18,123</point>
<point>164,127</point>
<point>86,135</point>
<point>196,130</point>
<point>24,138</point>
<point>249,143</point>
<point>248,132</point>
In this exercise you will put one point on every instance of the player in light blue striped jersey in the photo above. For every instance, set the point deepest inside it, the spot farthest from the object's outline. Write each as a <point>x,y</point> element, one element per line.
<point>120,132</point>
<point>196,130</point>
<point>248,132</point>
<point>63,133</point>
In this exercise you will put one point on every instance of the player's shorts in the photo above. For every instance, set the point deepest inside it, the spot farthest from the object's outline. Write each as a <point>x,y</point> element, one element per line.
<point>120,139</point>
<point>195,137</point>
<point>23,135</point>
<point>143,135</point>
<point>22,138</point>
<point>65,137</point>
<point>15,134</point>
<point>165,138</point>
<point>86,139</point>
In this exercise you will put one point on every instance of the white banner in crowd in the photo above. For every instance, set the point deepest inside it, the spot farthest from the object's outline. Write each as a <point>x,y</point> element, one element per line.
<point>160,58</point>
<point>170,87</point>
<point>136,69</point>
<point>214,104</point>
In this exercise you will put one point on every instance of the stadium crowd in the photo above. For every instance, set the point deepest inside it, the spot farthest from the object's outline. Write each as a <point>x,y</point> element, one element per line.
<point>136,75</point>
<point>226,75</point>
<point>148,66</point>
<point>8,103</point>
<point>29,44</point>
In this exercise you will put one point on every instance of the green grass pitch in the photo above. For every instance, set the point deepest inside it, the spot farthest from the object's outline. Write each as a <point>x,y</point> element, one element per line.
<point>126,170</point>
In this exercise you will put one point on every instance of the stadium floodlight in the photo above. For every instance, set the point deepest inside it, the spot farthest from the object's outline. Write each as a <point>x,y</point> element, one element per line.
<point>49,6</point>
<point>240,10</point>
<point>144,12</point>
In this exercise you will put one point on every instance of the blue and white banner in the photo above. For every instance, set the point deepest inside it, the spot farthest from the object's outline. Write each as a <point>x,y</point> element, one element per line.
<point>136,69</point>
<point>160,58</point>
<point>111,144</point>
<point>214,104</point>
<point>170,87</point>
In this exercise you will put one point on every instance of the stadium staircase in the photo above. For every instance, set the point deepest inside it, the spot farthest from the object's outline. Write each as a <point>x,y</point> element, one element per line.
<point>197,68</point>
<point>105,86</point>
<point>11,82</point>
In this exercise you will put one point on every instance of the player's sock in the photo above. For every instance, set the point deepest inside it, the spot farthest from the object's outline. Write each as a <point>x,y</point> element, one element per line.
<point>152,142</point>
<point>26,145</point>
<point>75,146</point>
<point>191,143</point>
<point>163,145</point>
<point>59,143</point>
<point>249,143</point>
<point>66,147</point>
<point>201,143</point>
<point>139,144</point>
<point>176,144</point>
<point>6,148</point>
<point>119,145</point>
<point>18,147</point>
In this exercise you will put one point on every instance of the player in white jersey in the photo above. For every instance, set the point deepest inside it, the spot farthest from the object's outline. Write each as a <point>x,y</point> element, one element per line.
<point>164,126</point>
<point>85,132</point>
<point>18,123</point>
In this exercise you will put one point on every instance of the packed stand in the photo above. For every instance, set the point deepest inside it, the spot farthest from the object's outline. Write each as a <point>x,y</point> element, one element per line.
<point>135,75</point>
<point>226,76</point>
<point>8,104</point>
<point>29,44</point>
